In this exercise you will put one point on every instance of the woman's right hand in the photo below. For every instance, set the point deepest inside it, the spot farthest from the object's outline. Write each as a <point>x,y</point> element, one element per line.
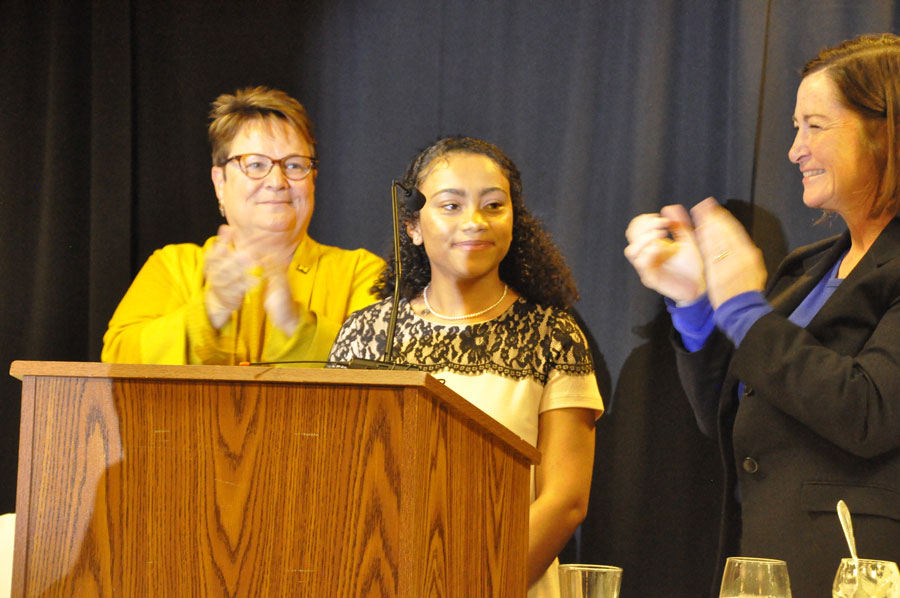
<point>663,250</point>
<point>227,277</point>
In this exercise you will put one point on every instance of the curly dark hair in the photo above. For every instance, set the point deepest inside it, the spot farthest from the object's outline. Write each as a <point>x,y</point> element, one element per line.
<point>533,266</point>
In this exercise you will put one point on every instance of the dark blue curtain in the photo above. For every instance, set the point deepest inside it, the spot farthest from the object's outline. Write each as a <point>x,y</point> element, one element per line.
<point>610,109</point>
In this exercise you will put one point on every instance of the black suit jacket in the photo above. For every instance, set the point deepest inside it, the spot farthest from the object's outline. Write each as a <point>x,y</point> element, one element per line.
<point>819,420</point>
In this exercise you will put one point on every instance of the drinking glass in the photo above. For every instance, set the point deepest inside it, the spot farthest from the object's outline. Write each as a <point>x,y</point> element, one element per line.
<point>589,581</point>
<point>745,577</point>
<point>866,578</point>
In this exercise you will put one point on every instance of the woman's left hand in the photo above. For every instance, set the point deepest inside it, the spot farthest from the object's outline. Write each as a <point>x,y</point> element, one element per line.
<point>275,261</point>
<point>733,264</point>
<point>278,300</point>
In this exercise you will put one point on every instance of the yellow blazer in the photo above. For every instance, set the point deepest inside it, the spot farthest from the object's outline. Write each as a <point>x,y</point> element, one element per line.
<point>162,318</point>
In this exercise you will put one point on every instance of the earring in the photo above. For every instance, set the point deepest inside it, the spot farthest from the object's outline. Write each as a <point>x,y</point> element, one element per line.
<point>221,209</point>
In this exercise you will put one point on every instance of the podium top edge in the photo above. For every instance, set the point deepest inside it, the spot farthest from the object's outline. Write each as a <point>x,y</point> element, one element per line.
<point>92,369</point>
<point>277,375</point>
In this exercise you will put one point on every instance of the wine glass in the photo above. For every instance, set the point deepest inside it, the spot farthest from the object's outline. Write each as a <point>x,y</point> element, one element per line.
<point>589,581</point>
<point>745,577</point>
<point>866,578</point>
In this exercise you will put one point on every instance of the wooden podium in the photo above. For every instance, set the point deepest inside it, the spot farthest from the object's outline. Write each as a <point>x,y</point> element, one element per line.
<point>216,481</point>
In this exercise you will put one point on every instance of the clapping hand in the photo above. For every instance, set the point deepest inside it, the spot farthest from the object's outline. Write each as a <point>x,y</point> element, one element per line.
<point>733,264</point>
<point>228,275</point>
<point>663,250</point>
<point>279,302</point>
<point>682,256</point>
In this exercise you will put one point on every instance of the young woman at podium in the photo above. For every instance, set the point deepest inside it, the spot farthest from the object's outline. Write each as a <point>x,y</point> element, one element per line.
<point>483,306</point>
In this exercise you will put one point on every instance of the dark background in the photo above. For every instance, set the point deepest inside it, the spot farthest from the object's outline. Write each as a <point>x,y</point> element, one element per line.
<point>609,108</point>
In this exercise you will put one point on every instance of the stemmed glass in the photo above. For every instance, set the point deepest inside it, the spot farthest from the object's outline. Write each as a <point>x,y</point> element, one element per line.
<point>866,578</point>
<point>746,577</point>
<point>589,581</point>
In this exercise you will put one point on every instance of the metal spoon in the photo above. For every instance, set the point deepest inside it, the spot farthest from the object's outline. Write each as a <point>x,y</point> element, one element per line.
<point>844,515</point>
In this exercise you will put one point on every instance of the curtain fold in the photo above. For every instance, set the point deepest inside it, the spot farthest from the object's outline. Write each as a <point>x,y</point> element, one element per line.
<point>610,109</point>
<point>111,140</point>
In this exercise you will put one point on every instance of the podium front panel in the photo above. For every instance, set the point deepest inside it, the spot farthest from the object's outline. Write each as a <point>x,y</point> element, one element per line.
<point>199,487</point>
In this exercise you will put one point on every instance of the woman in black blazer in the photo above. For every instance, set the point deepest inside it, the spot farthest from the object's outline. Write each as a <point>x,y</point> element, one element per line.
<point>800,378</point>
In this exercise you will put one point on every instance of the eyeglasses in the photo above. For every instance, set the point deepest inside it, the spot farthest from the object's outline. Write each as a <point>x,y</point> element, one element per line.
<point>258,166</point>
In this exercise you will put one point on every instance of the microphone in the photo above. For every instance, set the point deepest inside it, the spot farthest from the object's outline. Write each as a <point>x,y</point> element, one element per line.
<point>414,200</point>
<point>395,300</point>
<point>358,363</point>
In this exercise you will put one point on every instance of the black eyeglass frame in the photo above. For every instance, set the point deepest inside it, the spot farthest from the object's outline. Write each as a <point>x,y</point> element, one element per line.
<point>313,162</point>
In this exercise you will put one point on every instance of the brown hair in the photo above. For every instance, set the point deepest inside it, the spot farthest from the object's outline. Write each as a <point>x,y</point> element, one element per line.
<point>866,71</point>
<point>231,111</point>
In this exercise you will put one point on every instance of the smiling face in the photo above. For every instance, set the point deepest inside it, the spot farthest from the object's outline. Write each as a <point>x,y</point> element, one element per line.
<point>466,223</point>
<point>273,204</point>
<point>839,171</point>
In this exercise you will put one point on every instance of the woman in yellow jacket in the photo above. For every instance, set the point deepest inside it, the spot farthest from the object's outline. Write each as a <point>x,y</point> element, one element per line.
<point>262,289</point>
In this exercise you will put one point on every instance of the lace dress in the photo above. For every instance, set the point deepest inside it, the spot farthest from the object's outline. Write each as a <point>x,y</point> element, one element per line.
<point>528,360</point>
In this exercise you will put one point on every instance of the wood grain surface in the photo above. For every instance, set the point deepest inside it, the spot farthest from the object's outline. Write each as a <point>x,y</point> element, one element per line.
<point>180,486</point>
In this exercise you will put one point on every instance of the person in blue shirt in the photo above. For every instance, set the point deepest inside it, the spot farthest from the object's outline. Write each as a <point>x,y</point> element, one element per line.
<point>800,377</point>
